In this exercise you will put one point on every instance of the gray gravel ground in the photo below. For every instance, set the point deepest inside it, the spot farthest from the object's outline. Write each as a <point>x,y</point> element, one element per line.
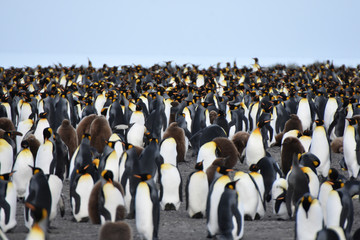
<point>177,224</point>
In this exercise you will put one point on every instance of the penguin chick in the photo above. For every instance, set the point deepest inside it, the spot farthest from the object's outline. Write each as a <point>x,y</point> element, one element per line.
<point>115,231</point>
<point>240,140</point>
<point>68,134</point>
<point>337,145</point>
<point>227,150</point>
<point>100,131</point>
<point>293,123</point>
<point>290,146</point>
<point>84,126</point>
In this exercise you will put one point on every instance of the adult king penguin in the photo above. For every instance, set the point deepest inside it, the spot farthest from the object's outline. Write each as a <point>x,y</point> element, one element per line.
<point>7,203</point>
<point>351,147</point>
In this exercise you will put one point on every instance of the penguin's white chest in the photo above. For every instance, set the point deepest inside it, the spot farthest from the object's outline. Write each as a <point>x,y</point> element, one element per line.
<point>309,223</point>
<point>113,198</point>
<point>7,154</point>
<point>44,156</point>
<point>23,171</point>
<point>198,190</point>
<point>170,181</point>
<point>144,211</point>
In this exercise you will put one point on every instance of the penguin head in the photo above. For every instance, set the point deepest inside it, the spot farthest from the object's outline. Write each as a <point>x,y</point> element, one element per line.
<point>199,166</point>
<point>37,213</point>
<point>333,174</point>
<point>86,136</point>
<point>82,170</point>
<point>352,121</point>
<point>110,144</point>
<point>319,122</point>
<point>47,133</point>
<point>224,170</point>
<point>262,123</point>
<point>96,163</point>
<point>231,185</point>
<point>6,176</point>
<point>254,168</point>
<point>143,176</point>
<point>43,115</point>
<point>36,170</point>
<point>306,201</point>
<point>107,175</point>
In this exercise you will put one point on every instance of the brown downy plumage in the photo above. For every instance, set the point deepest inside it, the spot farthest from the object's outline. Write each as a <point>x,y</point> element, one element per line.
<point>291,146</point>
<point>68,134</point>
<point>227,149</point>
<point>210,171</point>
<point>100,132</point>
<point>240,140</point>
<point>34,144</point>
<point>84,126</point>
<point>115,231</point>
<point>337,145</point>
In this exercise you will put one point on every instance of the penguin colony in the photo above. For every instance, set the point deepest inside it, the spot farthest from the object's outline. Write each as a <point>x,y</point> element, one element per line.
<point>118,135</point>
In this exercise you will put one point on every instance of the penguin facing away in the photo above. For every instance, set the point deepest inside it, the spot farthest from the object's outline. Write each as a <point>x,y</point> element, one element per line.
<point>120,230</point>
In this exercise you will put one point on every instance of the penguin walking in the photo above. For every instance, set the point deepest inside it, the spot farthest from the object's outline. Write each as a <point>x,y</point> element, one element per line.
<point>217,188</point>
<point>197,189</point>
<point>81,184</point>
<point>230,215</point>
<point>147,207</point>
<point>23,169</point>
<point>320,147</point>
<point>278,193</point>
<point>309,218</point>
<point>351,144</point>
<point>7,203</point>
<point>170,187</point>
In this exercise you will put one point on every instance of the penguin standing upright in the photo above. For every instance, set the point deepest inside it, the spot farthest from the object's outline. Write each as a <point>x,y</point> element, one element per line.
<point>278,193</point>
<point>23,127</point>
<point>109,160</point>
<point>111,200</point>
<point>217,187</point>
<point>7,156</point>
<point>351,144</point>
<point>304,112</point>
<point>207,154</point>
<point>23,169</point>
<point>231,219</point>
<point>147,207</point>
<point>255,147</point>
<point>81,184</point>
<point>178,134</point>
<point>309,218</point>
<point>297,186</point>
<point>7,203</point>
<point>38,194</point>
<point>39,230</point>
<point>246,186</point>
<point>170,187</point>
<point>68,134</point>
<point>197,189</point>
<point>290,146</point>
<point>120,230</point>
<point>168,151</point>
<point>320,147</point>
<point>46,154</point>
<point>41,124</point>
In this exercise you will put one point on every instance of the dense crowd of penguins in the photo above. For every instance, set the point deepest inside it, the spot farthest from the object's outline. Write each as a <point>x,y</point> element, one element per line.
<point>118,134</point>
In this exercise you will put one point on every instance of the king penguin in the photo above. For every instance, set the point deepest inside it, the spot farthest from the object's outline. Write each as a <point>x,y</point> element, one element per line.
<point>217,188</point>
<point>38,194</point>
<point>255,147</point>
<point>7,156</point>
<point>7,203</point>
<point>197,189</point>
<point>309,218</point>
<point>168,151</point>
<point>23,169</point>
<point>231,218</point>
<point>81,184</point>
<point>39,230</point>
<point>41,124</point>
<point>351,144</point>
<point>320,147</point>
<point>46,154</point>
<point>178,134</point>
<point>147,207</point>
<point>120,230</point>
<point>278,193</point>
<point>170,187</point>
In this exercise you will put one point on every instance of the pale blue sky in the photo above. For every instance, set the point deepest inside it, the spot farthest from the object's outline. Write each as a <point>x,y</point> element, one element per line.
<point>125,32</point>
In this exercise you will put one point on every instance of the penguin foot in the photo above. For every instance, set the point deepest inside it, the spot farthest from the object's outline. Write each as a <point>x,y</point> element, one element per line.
<point>257,216</point>
<point>248,218</point>
<point>170,207</point>
<point>198,215</point>
<point>209,235</point>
